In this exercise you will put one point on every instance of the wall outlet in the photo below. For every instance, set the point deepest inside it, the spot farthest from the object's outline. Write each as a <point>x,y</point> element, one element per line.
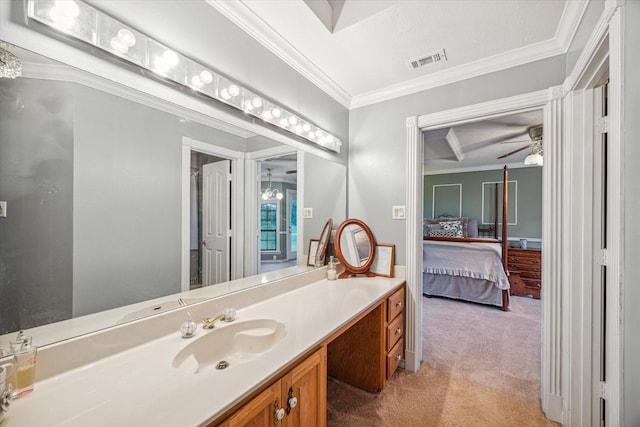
<point>3,209</point>
<point>397,212</point>
<point>307,213</point>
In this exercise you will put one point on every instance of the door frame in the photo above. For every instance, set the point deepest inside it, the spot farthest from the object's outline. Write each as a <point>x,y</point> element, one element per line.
<point>550,101</point>
<point>237,211</point>
<point>288,198</point>
<point>252,202</point>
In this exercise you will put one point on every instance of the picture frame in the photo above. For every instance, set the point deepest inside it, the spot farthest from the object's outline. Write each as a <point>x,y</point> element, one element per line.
<point>313,249</point>
<point>383,260</point>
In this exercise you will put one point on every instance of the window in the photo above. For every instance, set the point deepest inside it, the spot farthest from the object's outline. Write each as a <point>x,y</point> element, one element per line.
<point>269,226</point>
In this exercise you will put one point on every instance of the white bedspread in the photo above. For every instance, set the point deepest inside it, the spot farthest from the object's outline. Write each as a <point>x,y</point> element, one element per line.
<point>473,260</point>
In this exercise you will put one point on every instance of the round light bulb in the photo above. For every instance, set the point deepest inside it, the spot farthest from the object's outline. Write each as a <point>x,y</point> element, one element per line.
<point>330,139</point>
<point>126,37</point>
<point>306,127</point>
<point>293,120</point>
<point>276,112</point>
<point>118,46</point>
<point>312,136</point>
<point>248,105</point>
<point>234,90</point>
<point>279,196</point>
<point>195,80</point>
<point>265,196</point>
<point>299,129</point>
<point>318,133</point>
<point>170,58</point>
<point>257,102</point>
<point>284,122</point>
<point>267,115</point>
<point>224,93</point>
<point>206,77</point>
<point>68,8</point>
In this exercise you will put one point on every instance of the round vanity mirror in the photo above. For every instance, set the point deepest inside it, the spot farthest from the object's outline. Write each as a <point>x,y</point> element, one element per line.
<point>324,242</point>
<point>355,247</point>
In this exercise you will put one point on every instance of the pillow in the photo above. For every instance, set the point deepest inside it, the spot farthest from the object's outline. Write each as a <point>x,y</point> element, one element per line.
<point>472,228</point>
<point>449,227</point>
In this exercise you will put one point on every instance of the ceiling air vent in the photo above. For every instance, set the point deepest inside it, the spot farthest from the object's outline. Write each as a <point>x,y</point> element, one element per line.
<point>431,58</point>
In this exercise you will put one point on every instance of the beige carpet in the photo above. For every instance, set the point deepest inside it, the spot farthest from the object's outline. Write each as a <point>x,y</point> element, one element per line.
<point>481,367</point>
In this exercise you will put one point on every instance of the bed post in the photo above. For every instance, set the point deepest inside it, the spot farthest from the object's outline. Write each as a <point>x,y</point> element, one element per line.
<point>505,242</point>
<point>495,219</point>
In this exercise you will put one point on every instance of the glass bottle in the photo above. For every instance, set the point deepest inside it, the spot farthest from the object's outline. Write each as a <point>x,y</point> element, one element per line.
<point>24,358</point>
<point>331,269</point>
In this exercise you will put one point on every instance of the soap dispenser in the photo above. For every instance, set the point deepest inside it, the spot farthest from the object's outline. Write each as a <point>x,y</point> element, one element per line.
<point>331,269</point>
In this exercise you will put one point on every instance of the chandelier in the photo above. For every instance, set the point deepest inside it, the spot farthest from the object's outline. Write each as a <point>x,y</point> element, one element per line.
<point>270,192</point>
<point>10,65</point>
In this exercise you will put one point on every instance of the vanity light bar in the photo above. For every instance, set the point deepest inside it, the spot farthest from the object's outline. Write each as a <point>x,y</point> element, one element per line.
<point>83,22</point>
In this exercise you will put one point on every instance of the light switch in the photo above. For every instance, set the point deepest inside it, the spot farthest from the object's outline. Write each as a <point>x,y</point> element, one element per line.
<point>3,209</point>
<point>307,213</point>
<point>397,212</point>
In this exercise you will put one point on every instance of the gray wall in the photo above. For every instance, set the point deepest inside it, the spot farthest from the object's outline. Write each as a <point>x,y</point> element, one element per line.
<point>529,200</point>
<point>325,191</point>
<point>36,181</point>
<point>631,136</point>
<point>378,139</point>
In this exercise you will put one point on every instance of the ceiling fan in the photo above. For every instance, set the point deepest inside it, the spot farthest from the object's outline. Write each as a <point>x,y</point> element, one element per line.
<point>535,143</point>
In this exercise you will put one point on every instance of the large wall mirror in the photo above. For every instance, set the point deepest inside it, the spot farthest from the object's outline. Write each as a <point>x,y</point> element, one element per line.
<point>118,199</point>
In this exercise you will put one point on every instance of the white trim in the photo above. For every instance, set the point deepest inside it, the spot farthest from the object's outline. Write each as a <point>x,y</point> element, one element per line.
<point>519,165</point>
<point>237,211</point>
<point>61,72</point>
<point>454,144</point>
<point>433,198</point>
<point>551,339</point>
<point>253,25</point>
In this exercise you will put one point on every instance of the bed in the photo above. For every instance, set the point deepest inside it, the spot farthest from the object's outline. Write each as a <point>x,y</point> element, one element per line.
<point>457,264</point>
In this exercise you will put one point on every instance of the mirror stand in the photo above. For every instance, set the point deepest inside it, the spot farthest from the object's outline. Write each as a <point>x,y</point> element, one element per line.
<point>355,248</point>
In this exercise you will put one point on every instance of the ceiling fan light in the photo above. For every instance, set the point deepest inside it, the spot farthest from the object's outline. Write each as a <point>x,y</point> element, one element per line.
<point>533,159</point>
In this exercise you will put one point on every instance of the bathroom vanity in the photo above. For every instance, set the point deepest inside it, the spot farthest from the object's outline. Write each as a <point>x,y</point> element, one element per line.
<point>305,322</point>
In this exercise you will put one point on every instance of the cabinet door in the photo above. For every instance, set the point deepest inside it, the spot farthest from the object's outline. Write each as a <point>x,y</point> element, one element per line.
<point>260,412</point>
<point>306,383</point>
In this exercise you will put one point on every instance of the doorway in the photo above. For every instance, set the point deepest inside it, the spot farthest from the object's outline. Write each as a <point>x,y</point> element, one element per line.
<point>210,220</point>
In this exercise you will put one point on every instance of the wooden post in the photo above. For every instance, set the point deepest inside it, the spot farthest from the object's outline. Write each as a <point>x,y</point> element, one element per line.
<point>495,215</point>
<point>505,218</point>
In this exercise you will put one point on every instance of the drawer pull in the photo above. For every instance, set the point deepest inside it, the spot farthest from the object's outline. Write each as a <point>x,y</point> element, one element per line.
<point>398,331</point>
<point>398,357</point>
<point>399,304</point>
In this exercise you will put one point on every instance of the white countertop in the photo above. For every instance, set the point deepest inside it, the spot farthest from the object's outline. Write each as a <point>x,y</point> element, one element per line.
<point>139,386</point>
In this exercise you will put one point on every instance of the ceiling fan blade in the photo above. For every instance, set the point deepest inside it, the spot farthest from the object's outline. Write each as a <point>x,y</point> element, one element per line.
<point>291,171</point>
<point>513,152</point>
<point>520,141</point>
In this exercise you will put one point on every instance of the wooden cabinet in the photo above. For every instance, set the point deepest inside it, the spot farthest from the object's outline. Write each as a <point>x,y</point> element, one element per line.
<point>368,353</point>
<point>299,397</point>
<point>525,271</point>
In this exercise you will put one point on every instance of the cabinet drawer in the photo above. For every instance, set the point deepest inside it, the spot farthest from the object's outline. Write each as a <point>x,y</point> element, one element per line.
<point>523,260</point>
<point>395,304</point>
<point>395,331</point>
<point>394,357</point>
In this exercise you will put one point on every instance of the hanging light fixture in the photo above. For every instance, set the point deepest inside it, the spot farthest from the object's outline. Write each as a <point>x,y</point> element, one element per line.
<point>10,65</point>
<point>270,192</point>
<point>535,157</point>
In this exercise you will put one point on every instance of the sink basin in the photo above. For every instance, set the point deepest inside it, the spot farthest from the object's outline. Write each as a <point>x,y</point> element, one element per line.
<point>234,343</point>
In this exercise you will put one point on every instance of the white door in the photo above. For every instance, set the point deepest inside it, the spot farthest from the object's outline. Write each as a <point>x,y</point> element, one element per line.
<point>216,233</point>
<point>292,224</point>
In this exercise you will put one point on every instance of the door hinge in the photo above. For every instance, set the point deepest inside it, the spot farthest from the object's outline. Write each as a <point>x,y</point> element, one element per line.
<point>602,124</point>
<point>603,390</point>
<point>600,257</point>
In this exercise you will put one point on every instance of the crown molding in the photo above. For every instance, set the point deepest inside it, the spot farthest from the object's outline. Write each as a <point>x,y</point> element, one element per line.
<point>71,74</point>
<point>487,65</point>
<point>238,13</point>
<point>500,166</point>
